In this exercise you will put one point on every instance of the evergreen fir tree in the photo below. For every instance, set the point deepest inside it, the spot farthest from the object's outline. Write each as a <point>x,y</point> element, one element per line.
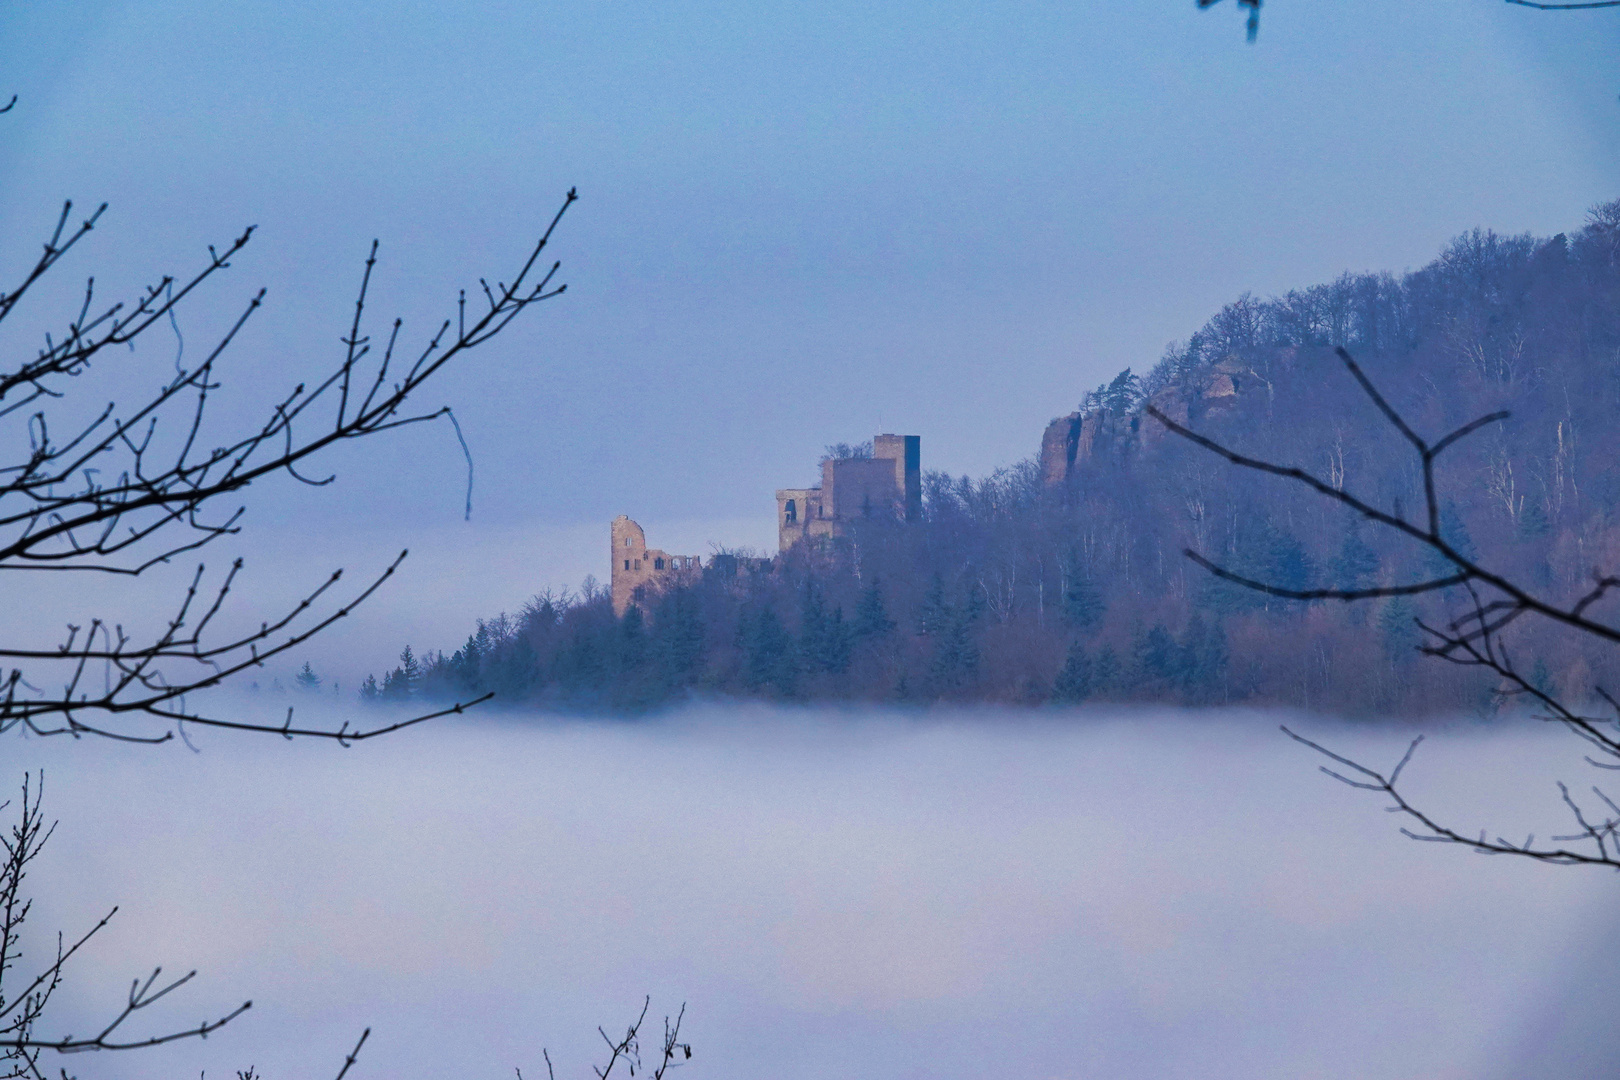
<point>306,678</point>
<point>1203,661</point>
<point>837,644</point>
<point>1401,635</point>
<point>1356,566</point>
<point>515,670</point>
<point>1283,562</point>
<point>1454,533</point>
<point>1156,656</point>
<point>824,640</point>
<point>1083,605</point>
<point>582,669</point>
<point>812,623</point>
<point>632,639</point>
<point>1105,673</point>
<point>1074,681</point>
<point>934,613</point>
<point>956,654</point>
<point>678,633</point>
<point>369,691</point>
<point>871,616</point>
<point>395,687</point>
<point>769,653</point>
<point>1540,677</point>
<point>410,673</point>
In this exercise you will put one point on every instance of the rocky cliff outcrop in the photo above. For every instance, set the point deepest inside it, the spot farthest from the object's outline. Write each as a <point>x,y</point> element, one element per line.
<point>1070,442</point>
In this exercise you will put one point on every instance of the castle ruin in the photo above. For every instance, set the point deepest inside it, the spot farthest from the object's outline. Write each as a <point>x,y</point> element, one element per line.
<point>888,482</point>
<point>638,568</point>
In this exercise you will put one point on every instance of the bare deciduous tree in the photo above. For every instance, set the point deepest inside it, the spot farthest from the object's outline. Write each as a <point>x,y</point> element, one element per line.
<point>134,488</point>
<point>24,1008</point>
<point>1495,602</point>
<point>131,489</point>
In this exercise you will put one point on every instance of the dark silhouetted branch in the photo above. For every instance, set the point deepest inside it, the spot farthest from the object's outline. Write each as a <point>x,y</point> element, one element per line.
<point>161,493</point>
<point>1473,640</point>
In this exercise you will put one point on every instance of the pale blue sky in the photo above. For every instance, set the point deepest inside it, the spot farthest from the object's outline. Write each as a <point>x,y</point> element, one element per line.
<point>797,222</point>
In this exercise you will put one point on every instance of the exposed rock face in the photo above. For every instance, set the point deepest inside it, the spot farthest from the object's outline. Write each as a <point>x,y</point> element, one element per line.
<point>1072,441</point>
<point>1059,446</point>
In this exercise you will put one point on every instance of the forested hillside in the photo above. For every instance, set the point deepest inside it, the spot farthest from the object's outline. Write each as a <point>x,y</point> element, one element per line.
<point>1062,579</point>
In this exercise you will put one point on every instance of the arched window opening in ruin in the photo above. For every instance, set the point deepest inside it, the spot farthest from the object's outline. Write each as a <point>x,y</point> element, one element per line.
<point>792,511</point>
<point>658,564</point>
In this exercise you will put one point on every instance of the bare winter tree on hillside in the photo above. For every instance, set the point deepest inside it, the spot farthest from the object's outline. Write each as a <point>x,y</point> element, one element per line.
<point>1494,604</point>
<point>138,486</point>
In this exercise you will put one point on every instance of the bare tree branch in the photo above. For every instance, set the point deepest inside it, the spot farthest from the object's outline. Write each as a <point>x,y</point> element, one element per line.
<point>159,499</point>
<point>1472,640</point>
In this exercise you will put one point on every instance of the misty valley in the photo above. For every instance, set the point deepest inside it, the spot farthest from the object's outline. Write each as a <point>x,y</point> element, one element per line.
<point>1147,894</point>
<point>663,541</point>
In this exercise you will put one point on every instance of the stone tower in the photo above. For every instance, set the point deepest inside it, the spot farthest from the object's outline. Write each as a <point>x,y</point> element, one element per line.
<point>639,571</point>
<point>887,483</point>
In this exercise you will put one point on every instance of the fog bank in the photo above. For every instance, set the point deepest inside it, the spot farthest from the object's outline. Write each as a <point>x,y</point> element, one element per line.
<point>1124,895</point>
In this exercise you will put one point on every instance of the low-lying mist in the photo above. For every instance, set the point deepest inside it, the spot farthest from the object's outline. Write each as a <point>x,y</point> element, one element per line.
<point>1127,895</point>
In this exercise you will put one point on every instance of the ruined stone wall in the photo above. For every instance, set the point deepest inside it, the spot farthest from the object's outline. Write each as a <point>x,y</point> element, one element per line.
<point>637,568</point>
<point>888,482</point>
<point>806,516</point>
<point>862,487</point>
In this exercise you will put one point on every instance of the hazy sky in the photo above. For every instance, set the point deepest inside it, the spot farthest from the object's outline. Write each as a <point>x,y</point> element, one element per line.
<point>798,224</point>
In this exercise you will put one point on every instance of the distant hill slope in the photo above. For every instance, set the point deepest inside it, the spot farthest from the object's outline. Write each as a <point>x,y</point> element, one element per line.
<point>1062,579</point>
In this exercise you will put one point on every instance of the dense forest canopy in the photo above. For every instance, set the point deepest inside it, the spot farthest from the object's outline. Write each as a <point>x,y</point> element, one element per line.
<point>1061,578</point>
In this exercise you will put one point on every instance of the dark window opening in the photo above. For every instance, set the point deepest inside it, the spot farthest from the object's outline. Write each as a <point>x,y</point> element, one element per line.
<point>658,564</point>
<point>627,564</point>
<point>792,511</point>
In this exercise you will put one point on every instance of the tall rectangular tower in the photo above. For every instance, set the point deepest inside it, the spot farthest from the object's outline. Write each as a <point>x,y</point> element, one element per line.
<point>906,453</point>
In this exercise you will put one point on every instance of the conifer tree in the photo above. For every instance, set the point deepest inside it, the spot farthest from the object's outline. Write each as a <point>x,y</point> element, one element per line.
<point>410,673</point>
<point>1401,635</point>
<point>1203,661</point>
<point>678,633</point>
<point>769,653</point>
<point>1356,566</point>
<point>632,639</point>
<point>1155,656</point>
<point>306,678</point>
<point>1105,673</point>
<point>1074,681</point>
<point>871,616</point>
<point>1083,605</point>
<point>956,654</point>
<point>824,640</point>
<point>934,612</point>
